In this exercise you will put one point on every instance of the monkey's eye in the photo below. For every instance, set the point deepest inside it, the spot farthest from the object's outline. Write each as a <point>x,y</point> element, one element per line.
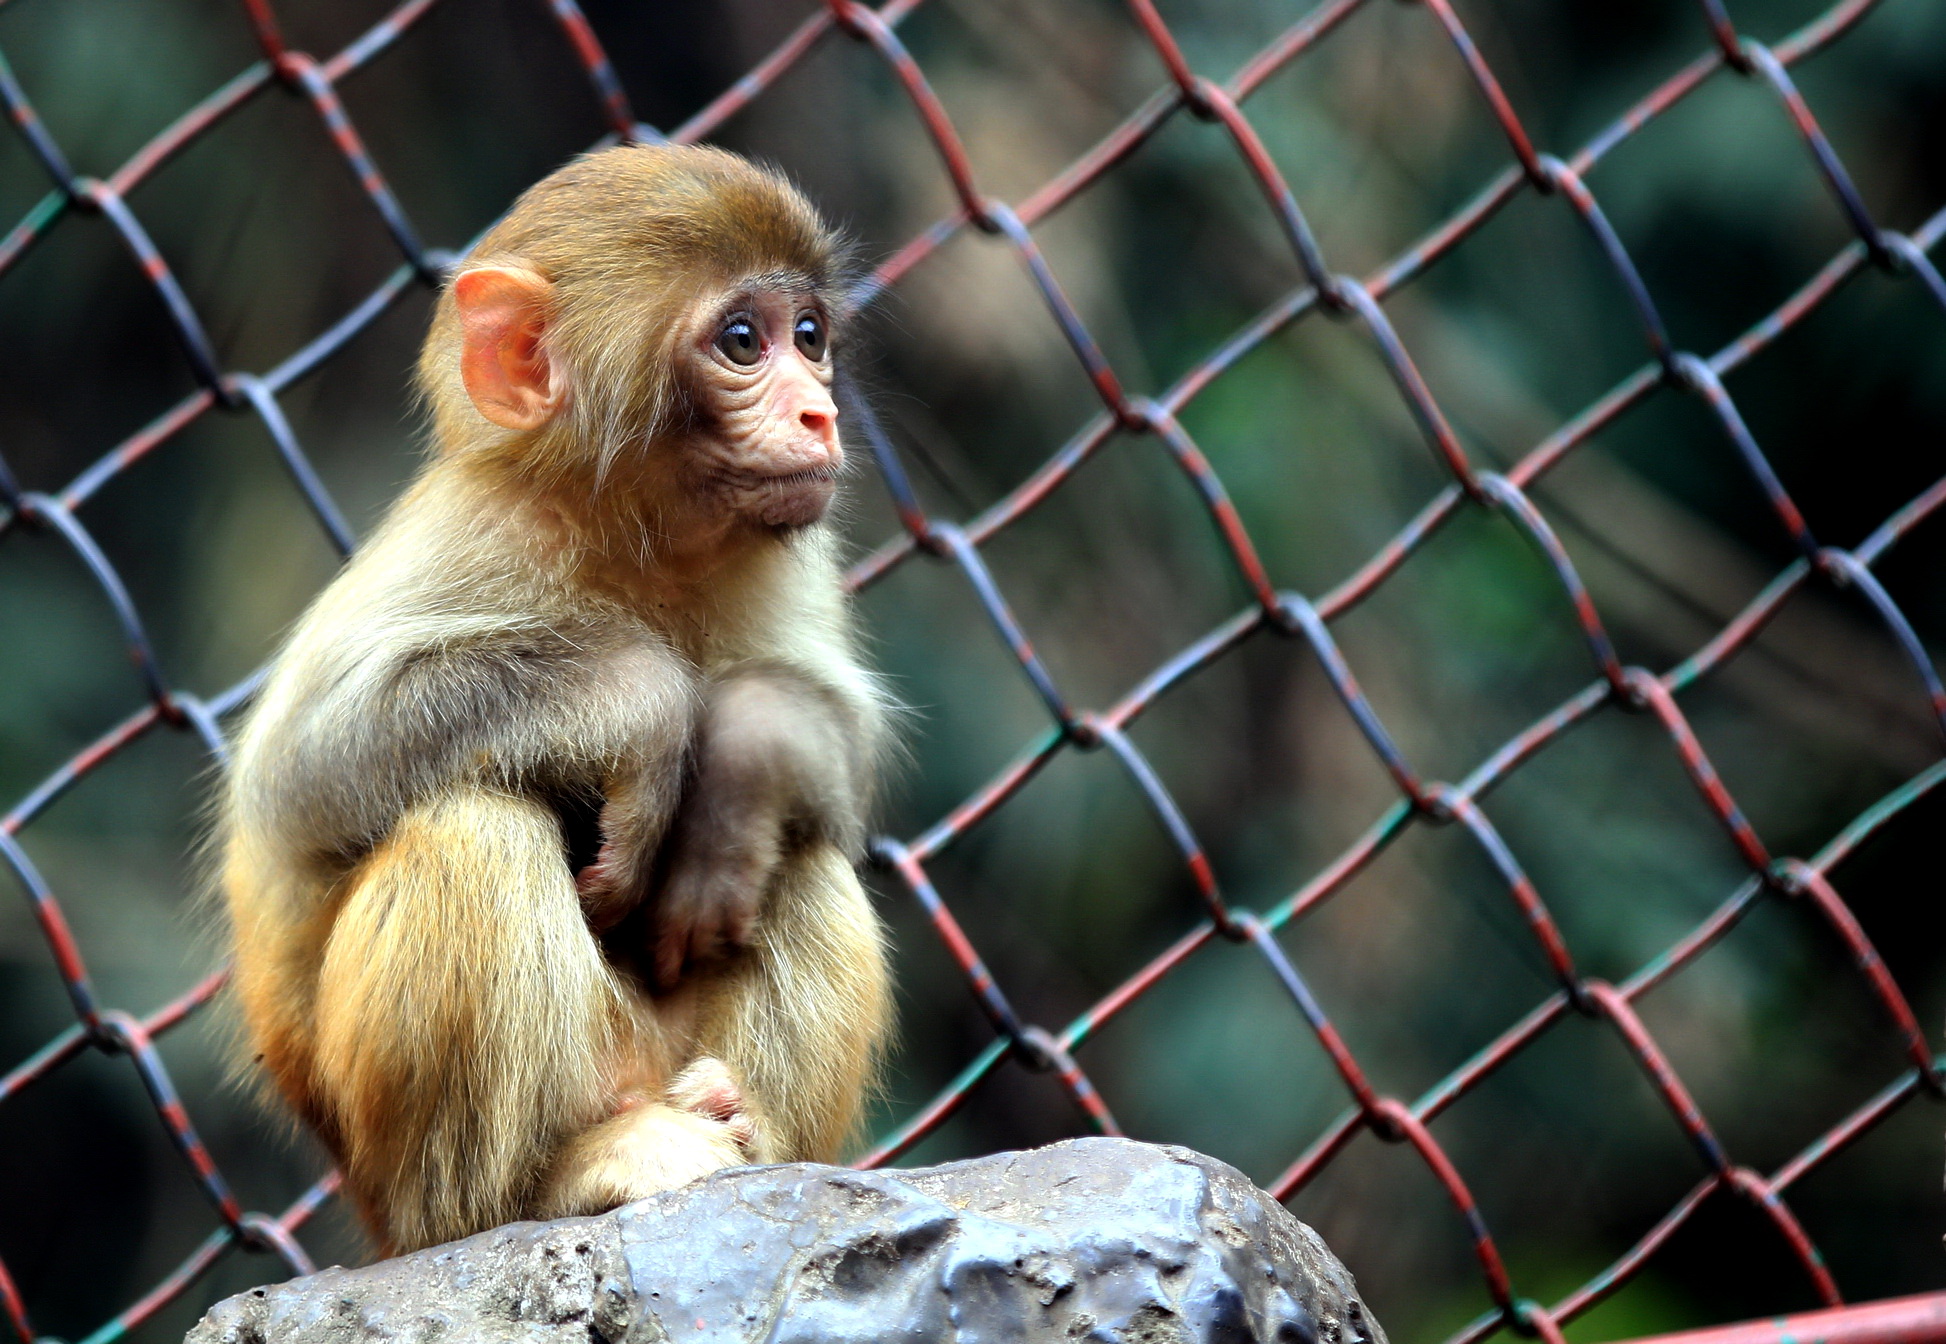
<point>740,342</point>
<point>810,337</point>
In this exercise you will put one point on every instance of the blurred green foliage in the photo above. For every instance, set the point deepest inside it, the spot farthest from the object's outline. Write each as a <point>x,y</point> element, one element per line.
<point>1068,889</point>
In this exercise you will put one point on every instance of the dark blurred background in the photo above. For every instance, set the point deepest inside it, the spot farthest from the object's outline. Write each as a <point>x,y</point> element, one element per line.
<point>1072,886</point>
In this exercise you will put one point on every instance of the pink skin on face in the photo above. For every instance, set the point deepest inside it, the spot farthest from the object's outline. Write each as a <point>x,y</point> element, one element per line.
<point>776,452</point>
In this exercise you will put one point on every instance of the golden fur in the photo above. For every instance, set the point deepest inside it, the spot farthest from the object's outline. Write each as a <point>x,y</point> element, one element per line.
<point>417,972</point>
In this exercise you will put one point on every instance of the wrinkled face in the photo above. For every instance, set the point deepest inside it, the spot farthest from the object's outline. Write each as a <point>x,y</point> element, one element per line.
<point>754,437</point>
<point>762,443</point>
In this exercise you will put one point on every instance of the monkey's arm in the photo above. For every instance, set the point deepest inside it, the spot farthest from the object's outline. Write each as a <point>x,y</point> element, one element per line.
<point>334,757</point>
<point>781,761</point>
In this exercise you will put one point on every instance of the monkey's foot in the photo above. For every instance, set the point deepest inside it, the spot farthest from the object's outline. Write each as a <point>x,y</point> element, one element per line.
<point>654,1146</point>
<point>709,1089</point>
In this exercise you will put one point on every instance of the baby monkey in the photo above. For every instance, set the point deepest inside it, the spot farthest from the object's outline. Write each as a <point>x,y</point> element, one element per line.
<point>538,846</point>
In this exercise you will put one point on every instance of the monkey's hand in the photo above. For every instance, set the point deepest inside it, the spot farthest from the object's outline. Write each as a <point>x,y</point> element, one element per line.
<point>606,890</point>
<point>631,827</point>
<point>775,765</point>
<point>710,900</point>
<point>723,857</point>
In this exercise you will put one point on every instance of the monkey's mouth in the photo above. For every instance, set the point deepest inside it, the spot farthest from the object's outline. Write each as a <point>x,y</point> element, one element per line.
<point>791,480</point>
<point>791,498</point>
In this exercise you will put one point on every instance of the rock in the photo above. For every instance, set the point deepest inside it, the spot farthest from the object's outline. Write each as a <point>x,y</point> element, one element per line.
<point>1094,1239</point>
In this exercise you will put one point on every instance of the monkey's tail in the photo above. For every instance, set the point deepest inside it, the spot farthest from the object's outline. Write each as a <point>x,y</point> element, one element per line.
<point>465,1013</point>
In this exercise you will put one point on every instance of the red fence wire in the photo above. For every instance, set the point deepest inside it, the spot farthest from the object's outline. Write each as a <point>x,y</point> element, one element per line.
<point>1277,613</point>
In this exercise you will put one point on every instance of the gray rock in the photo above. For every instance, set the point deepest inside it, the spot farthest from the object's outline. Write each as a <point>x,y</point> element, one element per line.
<point>1094,1239</point>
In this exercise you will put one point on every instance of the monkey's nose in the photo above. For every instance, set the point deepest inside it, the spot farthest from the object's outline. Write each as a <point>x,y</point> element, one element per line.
<point>819,417</point>
<point>801,396</point>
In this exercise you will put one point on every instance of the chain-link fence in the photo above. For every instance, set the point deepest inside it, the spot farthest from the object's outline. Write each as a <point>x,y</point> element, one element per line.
<point>1305,626</point>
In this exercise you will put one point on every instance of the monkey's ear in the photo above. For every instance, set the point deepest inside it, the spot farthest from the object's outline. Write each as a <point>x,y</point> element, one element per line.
<point>503,358</point>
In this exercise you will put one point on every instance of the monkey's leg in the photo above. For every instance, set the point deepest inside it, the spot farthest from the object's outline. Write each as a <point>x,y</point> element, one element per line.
<point>279,923</point>
<point>803,1019</point>
<point>784,1041</point>
<point>466,1019</point>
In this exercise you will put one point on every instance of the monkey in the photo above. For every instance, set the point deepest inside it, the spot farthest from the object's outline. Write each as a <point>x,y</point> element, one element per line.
<point>538,841</point>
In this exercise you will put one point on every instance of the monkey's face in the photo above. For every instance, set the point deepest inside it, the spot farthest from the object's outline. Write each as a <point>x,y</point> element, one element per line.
<point>762,439</point>
<point>746,431</point>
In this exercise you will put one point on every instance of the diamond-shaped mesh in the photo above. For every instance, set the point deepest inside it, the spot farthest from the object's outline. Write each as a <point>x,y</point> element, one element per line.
<point>1275,613</point>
